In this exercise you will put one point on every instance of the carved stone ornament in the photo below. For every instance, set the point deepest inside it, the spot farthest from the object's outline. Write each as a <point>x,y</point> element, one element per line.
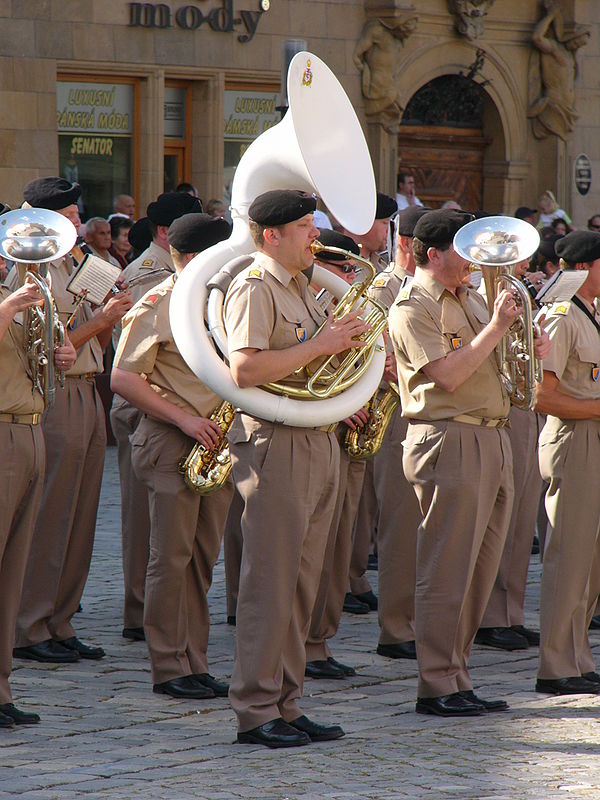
<point>552,73</point>
<point>470,16</point>
<point>377,56</point>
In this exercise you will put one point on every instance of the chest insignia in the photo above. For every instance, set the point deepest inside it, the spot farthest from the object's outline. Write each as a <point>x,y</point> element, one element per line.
<point>301,334</point>
<point>456,342</point>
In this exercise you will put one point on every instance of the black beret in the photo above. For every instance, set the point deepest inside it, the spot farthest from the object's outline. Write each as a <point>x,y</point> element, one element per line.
<point>331,238</point>
<point>386,206</point>
<point>51,193</point>
<point>193,233</point>
<point>579,247</point>
<point>439,227</point>
<point>4,208</point>
<point>140,234</point>
<point>524,211</point>
<point>408,218</point>
<point>169,206</point>
<point>280,206</point>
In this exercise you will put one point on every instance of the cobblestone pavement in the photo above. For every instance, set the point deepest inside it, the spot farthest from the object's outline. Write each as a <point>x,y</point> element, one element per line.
<point>104,734</point>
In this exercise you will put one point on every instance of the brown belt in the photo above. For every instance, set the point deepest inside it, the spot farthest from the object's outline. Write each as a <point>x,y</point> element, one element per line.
<point>482,422</point>
<point>327,428</point>
<point>86,376</point>
<point>21,419</point>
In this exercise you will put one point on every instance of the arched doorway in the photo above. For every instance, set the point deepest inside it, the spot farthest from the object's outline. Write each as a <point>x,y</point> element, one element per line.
<point>451,140</point>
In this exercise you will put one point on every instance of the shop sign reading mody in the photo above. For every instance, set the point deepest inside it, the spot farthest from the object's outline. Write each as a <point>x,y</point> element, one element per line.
<point>221,17</point>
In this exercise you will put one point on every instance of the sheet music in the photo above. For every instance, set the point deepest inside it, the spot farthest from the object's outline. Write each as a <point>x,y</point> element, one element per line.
<point>94,279</point>
<point>562,286</point>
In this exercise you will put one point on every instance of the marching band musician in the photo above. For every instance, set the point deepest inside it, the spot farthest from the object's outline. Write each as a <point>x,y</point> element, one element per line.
<point>75,434</point>
<point>150,268</point>
<point>457,455</point>
<point>22,474</point>
<point>287,476</point>
<point>398,512</point>
<point>569,449</point>
<point>186,529</point>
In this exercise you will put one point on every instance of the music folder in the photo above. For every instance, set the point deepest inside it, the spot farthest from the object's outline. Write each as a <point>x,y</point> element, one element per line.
<point>561,286</point>
<point>93,279</point>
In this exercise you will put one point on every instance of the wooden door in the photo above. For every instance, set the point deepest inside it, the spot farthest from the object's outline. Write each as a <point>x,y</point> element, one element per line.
<point>446,163</point>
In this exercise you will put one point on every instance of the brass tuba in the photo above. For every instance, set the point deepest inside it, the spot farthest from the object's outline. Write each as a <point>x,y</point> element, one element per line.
<point>495,244</point>
<point>204,471</point>
<point>31,237</point>
<point>364,443</point>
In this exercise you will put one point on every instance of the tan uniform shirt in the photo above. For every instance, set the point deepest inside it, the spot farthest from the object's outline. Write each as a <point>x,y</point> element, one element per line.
<point>268,309</point>
<point>89,355</point>
<point>17,394</point>
<point>427,322</point>
<point>145,270</point>
<point>146,347</point>
<point>575,353</point>
<point>387,284</point>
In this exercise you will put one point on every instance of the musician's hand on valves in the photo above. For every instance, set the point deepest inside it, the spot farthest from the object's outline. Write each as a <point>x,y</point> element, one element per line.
<point>390,373</point>
<point>201,429</point>
<point>116,307</point>
<point>65,356</point>
<point>506,310</point>
<point>342,334</point>
<point>541,341</point>
<point>25,297</point>
<point>357,420</point>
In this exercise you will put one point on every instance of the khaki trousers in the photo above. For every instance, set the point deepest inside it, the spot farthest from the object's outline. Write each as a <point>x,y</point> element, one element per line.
<point>505,606</point>
<point>327,610</point>
<point>21,478</point>
<point>135,517</point>
<point>364,534</point>
<point>462,475</point>
<point>288,479</point>
<point>232,552</point>
<point>569,453</point>
<point>63,539</point>
<point>185,539</point>
<point>398,520</point>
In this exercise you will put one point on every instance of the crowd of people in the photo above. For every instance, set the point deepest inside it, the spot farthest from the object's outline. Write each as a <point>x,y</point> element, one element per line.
<point>448,506</point>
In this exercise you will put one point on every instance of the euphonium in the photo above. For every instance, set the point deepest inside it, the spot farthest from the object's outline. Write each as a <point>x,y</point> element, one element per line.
<point>496,244</point>
<point>31,237</point>
<point>365,442</point>
<point>204,470</point>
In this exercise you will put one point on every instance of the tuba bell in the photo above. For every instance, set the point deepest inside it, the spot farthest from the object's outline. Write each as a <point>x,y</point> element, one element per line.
<point>289,155</point>
<point>495,244</point>
<point>31,237</point>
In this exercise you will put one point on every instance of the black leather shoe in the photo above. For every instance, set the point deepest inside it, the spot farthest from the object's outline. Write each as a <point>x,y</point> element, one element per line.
<point>398,650</point>
<point>488,705</point>
<point>187,686</point>
<point>501,638</point>
<point>373,562</point>
<point>354,606</point>
<point>369,599</point>
<point>220,688</point>
<point>595,623</point>
<point>575,685</point>
<point>533,637</point>
<point>592,677</point>
<point>316,732</point>
<point>323,669</point>
<point>275,733</point>
<point>137,634</point>
<point>17,716</point>
<point>84,650</point>
<point>6,722</point>
<point>449,705</point>
<point>49,651</point>
<point>231,620</point>
<point>346,668</point>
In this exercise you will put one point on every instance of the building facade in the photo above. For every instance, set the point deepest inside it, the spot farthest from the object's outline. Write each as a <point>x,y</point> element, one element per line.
<point>488,102</point>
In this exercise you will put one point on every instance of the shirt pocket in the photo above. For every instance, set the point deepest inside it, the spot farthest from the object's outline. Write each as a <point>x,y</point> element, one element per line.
<point>294,329</point>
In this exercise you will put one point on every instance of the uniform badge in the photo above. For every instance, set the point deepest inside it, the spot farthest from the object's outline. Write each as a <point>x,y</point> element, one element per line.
<point>307,75</point>
<point>595,372</point>
<point>147,262</point>
<point>456,342</point>
<point>152,298</point>
<point>255,273</point>
<point>560,309</point>
<point>301,334</point>
<point>379,282</point>
<point>403,294</point>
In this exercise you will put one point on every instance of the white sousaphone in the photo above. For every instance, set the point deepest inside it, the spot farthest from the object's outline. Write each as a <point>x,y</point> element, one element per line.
<point>318,147</point>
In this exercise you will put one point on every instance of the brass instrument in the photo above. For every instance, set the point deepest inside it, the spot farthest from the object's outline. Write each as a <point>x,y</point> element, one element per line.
<point>495,244</point>
<point>31,237</point>
<point>335,375</point>
<point>364,443</point>
<point>204,471</point>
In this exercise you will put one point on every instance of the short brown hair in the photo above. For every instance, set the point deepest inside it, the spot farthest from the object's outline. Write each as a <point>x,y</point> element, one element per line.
<point>420,251</point>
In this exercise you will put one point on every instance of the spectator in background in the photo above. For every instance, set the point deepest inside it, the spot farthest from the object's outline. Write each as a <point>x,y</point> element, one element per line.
<point>545,258</point>
<point>120,247</point>
<point>123,206</point>
<point>549,211</point>
<point>217,208</point>
<point>527,214</point>
<point>98,238</point>
<point>188,188</point>
<point>594,223</point>
<point>452,205</point>
<point>559,226</point>
<point>406,191</point>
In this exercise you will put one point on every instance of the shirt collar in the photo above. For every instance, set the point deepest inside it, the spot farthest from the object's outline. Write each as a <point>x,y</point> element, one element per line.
<point>274,268</point>
<point>425,279</point>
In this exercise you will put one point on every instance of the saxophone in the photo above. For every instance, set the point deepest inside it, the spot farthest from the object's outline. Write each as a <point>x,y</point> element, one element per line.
<point>204,471</point>
<point>365,443</point>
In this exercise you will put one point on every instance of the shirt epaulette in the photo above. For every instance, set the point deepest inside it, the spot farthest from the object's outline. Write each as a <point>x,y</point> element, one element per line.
<point>404,293</point>
<point>259,274</point>
<point>562,307</point>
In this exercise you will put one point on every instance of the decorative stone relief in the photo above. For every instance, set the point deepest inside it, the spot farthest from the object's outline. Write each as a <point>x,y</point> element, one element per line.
<point>470,16</point>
